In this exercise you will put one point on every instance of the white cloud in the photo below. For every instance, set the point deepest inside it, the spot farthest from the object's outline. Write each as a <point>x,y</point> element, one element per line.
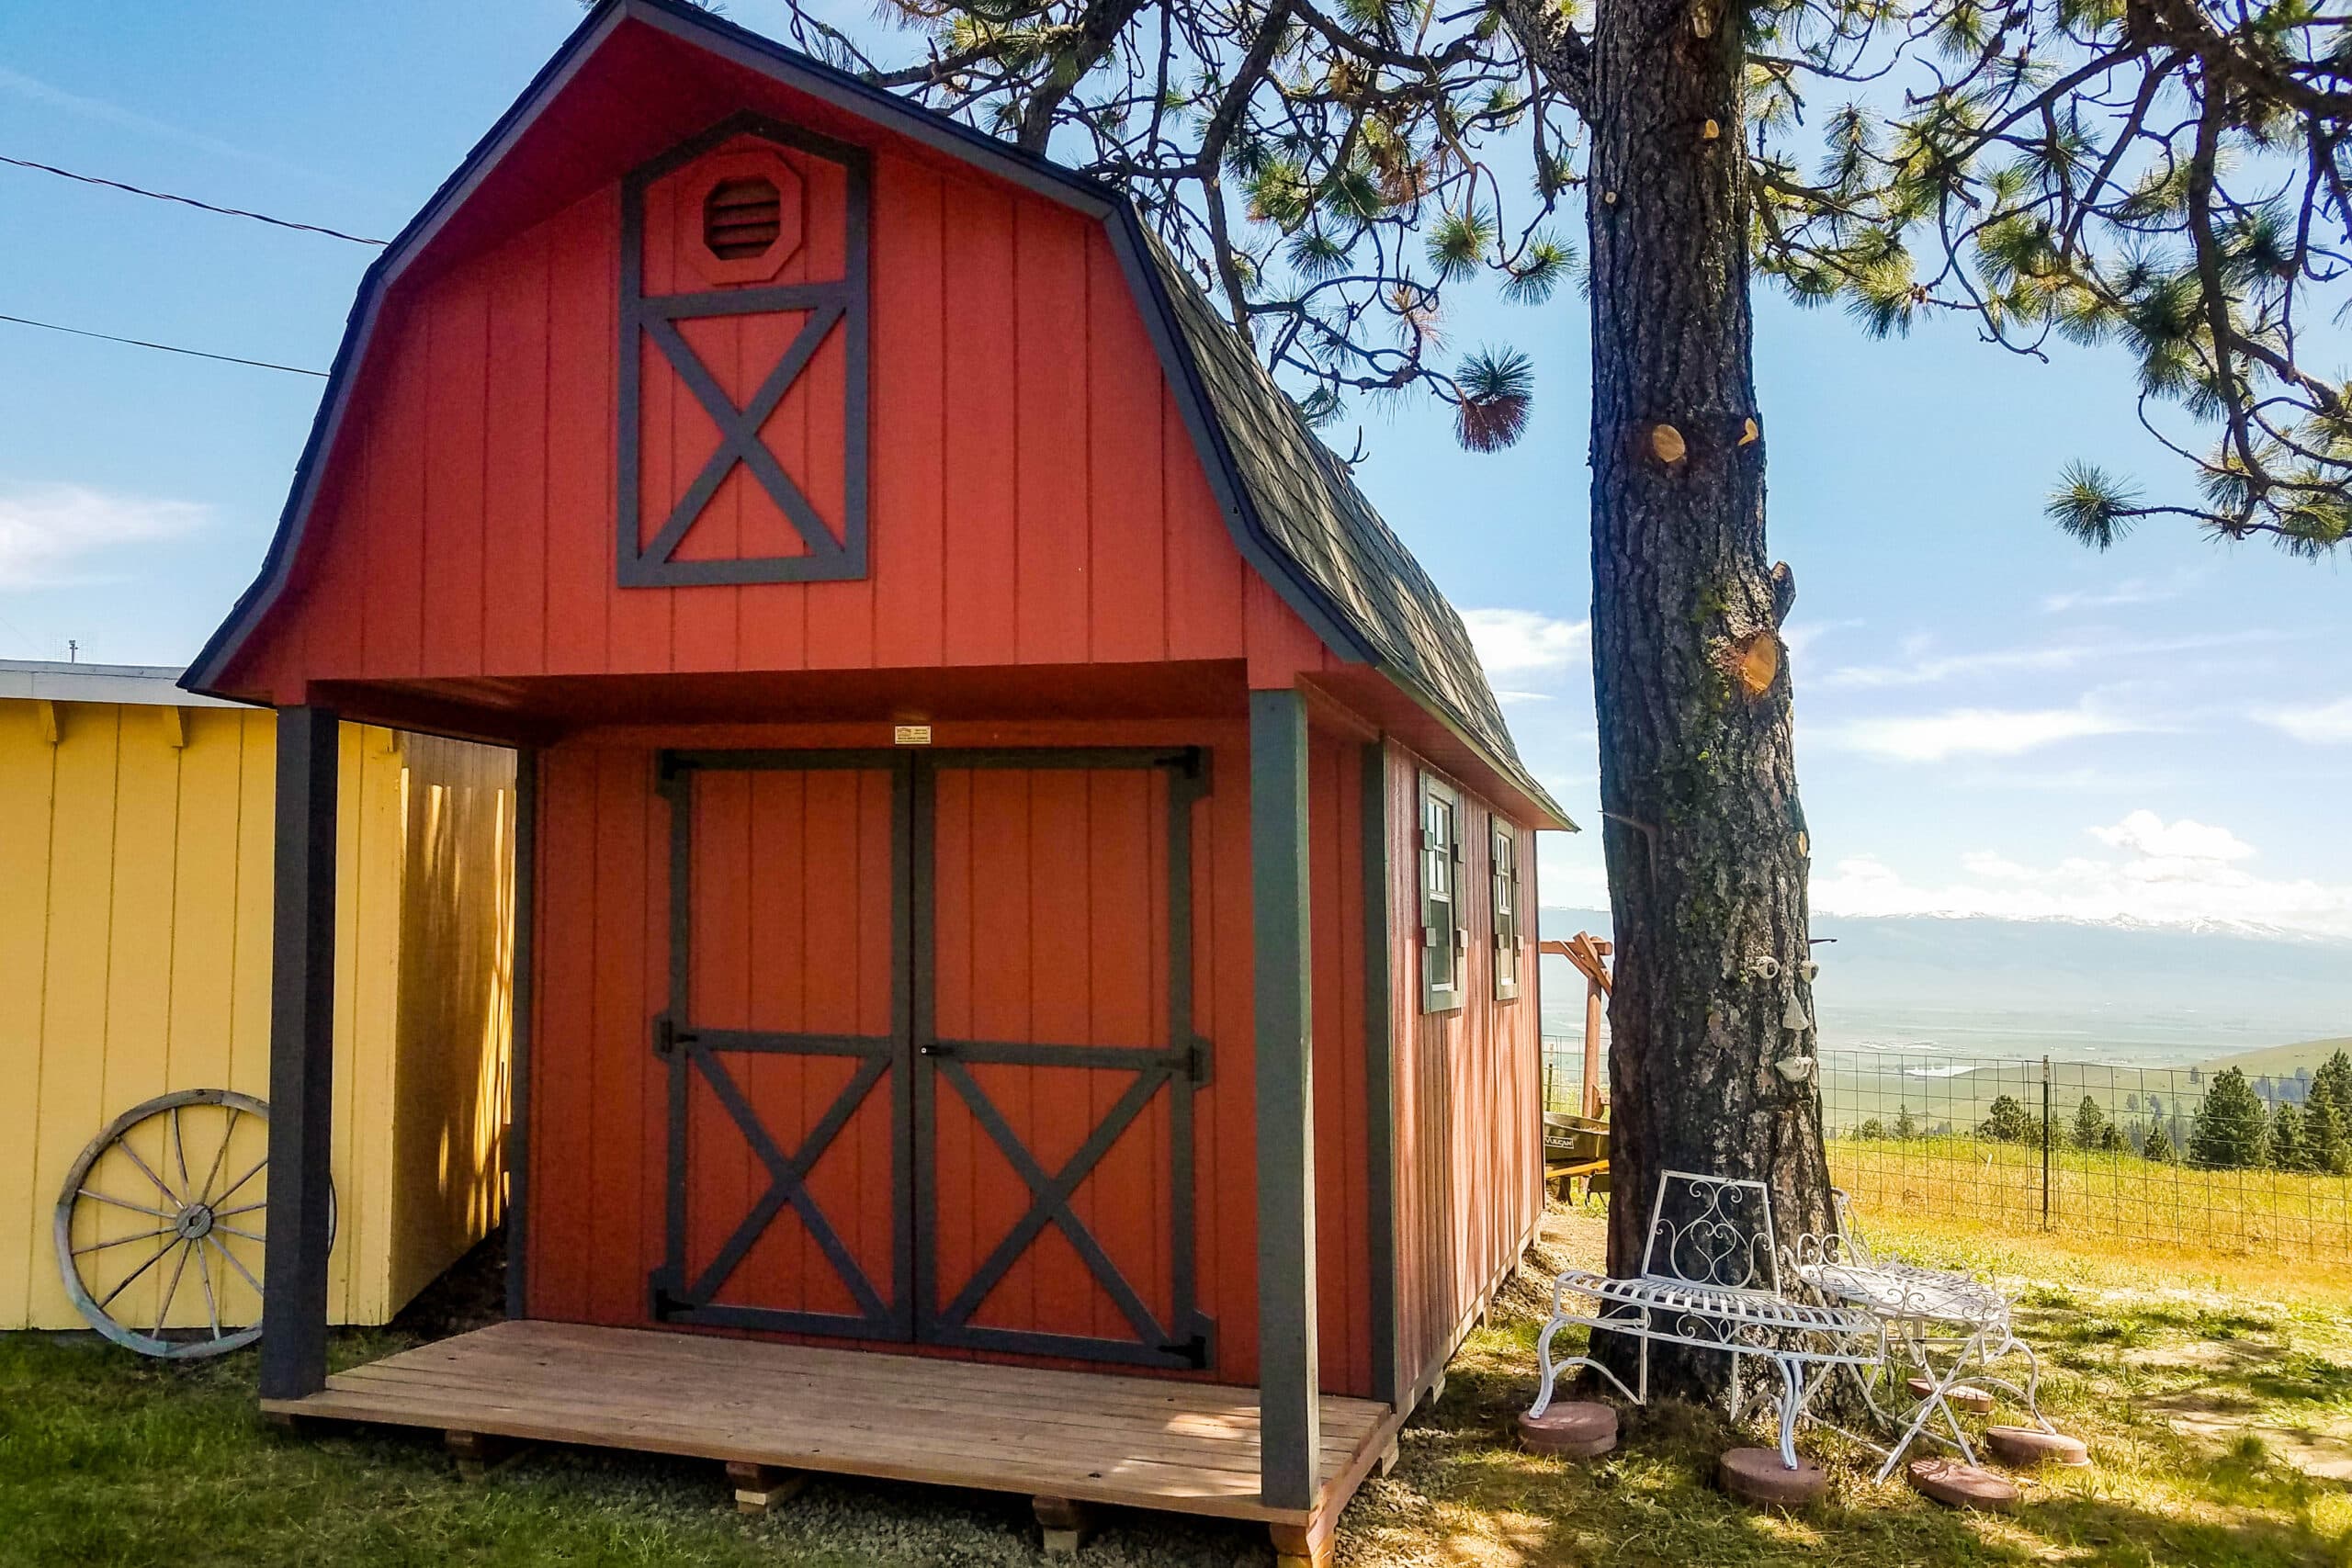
<point>2131,591</point>
<point>2317,724</point>
<point>1505,695</point>
<point>18,84</point>
<point>2146,834</point>
<point>2180,873</point>
<point>1513,642</point>
<point>1972,732</point>
<point>1799,636</point>
<point>46,529</point>
<point>1918,670</point>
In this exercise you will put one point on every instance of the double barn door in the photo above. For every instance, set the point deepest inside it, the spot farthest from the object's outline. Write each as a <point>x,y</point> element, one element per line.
<point>929,1051</point>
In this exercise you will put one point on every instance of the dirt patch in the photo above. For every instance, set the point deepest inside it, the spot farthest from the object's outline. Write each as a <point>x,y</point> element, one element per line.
<point>2321,1449</point>
<point>1575,1236</point>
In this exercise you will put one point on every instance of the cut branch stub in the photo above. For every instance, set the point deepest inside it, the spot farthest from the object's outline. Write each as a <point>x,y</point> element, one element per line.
<point>1710,132</point>
<point>1667,445</point>
<point>1748,433</point>
<point>1753,662</point>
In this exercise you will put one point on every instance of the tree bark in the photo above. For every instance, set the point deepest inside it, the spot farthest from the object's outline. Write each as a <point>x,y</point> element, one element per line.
<point>1703,836</point>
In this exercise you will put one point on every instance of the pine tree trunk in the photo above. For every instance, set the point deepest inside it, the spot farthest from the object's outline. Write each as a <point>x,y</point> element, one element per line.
<point>1704,840</point>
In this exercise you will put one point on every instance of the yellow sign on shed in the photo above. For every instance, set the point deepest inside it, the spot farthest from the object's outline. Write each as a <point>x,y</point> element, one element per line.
<point>135,886</point>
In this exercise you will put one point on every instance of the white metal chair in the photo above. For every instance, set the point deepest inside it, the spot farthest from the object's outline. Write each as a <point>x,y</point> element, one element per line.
<point>1710,1279</point>
<point>1934,1316</point>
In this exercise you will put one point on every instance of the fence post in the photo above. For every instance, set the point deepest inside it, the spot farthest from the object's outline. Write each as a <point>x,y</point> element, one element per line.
<point>2045,1142</point>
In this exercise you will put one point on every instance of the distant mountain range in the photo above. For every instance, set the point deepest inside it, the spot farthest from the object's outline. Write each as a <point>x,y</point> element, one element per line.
<point>2076,991</point>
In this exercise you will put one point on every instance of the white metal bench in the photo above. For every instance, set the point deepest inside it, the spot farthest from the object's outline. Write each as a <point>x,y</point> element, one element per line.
<point>1710,1279</point>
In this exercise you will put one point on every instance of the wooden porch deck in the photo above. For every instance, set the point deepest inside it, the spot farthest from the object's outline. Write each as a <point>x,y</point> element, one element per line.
<point>1091,1437</point>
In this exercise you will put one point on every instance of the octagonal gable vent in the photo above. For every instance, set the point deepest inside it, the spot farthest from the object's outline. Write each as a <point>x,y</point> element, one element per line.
<point>742,217</point>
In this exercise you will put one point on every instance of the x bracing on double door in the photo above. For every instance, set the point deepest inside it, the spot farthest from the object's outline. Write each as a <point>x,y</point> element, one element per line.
<point>1050,1196</point>
<point>788,1173</point>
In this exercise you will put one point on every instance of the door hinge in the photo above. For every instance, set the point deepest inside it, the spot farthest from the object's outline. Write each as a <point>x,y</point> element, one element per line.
<point>1199,1060</point>
<point>668,1037</point>
<point>1193,1350</point>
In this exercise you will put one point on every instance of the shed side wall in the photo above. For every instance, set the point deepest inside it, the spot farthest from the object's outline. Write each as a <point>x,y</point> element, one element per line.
<point>1469,1094</point>
<point>134,960</point>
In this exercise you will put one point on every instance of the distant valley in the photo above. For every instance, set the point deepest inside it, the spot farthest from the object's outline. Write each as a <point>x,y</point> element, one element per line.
<point>2159,996</point>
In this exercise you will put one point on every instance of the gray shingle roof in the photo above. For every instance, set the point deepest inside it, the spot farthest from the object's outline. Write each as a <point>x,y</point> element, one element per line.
<point>1308,507</point>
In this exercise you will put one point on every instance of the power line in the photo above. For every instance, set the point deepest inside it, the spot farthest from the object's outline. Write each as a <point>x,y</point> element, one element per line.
<point>189,201</point>
<point>165,347</point>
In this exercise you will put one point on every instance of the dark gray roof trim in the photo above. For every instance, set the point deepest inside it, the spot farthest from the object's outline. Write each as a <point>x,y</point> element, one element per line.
<point>1292,509</point>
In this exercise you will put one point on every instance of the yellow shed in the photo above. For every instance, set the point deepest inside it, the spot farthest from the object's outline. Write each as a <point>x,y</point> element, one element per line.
<point>136,835</point>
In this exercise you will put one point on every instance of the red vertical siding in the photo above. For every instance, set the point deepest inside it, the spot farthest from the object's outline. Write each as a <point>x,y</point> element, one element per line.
<point>1034,496</point>
<point>1468,1107</point>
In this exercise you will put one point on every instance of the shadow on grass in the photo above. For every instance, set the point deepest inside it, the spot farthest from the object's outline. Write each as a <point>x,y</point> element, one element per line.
<point>1467,1494</point>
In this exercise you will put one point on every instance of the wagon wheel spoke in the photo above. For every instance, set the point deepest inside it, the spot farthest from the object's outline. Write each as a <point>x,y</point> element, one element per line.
<point>108,1300</point>
<point>220,1154</point>
<point>161,1185</point>
<point>122,1240</point>
<point>240,1209</point>
<point>231,1259</point>
<point>212,1301</point>
<point>247,1236</point>
<point>237,1186</point>
<point>179,1152</point>
<point>172,1290</point>
<point>119,1203</point>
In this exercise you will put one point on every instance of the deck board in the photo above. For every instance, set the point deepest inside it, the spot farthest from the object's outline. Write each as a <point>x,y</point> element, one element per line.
<point>1134,1441</point>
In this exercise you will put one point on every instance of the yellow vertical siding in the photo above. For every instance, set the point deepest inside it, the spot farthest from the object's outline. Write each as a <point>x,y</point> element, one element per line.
<point>135,955</point>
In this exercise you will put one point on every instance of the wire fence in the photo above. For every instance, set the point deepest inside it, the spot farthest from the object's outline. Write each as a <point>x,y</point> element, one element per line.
<point>2175,1157</point>
<point>1564,1075</point>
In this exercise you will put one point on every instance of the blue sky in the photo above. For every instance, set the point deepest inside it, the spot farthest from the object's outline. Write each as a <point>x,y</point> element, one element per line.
<point>1990,719</point>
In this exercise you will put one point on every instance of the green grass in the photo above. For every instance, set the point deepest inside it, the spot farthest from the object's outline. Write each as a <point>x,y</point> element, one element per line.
<point>107,1459</point>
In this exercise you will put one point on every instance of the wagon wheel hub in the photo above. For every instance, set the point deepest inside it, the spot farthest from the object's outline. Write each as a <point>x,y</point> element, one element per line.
<point>193,1222</point>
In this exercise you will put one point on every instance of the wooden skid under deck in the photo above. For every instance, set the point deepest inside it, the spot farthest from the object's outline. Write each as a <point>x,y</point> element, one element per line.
<point>1141,1442</point>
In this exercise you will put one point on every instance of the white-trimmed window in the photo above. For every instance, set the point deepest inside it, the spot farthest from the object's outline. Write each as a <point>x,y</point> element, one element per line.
<point>1444,934</point>
<point>1503,863</point>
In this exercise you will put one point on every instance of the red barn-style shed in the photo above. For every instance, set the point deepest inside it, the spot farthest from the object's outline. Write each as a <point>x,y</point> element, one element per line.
<point>1022,872</point>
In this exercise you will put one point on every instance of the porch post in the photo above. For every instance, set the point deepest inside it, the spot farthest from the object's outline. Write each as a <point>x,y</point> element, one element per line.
<point>301,1056</point>
<point>1287,1361</point>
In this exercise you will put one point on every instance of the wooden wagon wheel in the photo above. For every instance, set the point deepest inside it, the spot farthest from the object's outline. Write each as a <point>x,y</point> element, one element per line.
<point>178,1180</point>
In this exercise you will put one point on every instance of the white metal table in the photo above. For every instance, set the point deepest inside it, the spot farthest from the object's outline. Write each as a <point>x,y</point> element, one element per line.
<point>1950,1326</point>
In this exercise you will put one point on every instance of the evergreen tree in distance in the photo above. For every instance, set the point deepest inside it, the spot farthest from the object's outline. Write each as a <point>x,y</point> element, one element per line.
<point>2165,178</point>
<point>2332,1084</point>
<point>1905,1129</point>
<point>2006,1120</point>
<point>2158,1145</point>
<point>2230,1133</point>
<point>2287,1150</point>
<point>2090,1124</point>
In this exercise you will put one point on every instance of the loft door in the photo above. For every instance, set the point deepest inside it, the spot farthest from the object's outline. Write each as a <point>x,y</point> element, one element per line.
<point>929,1048</point>
<point>786,1047</point>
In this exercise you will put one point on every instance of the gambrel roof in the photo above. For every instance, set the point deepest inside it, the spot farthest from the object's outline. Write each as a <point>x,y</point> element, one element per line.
<point>1289,503</point>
